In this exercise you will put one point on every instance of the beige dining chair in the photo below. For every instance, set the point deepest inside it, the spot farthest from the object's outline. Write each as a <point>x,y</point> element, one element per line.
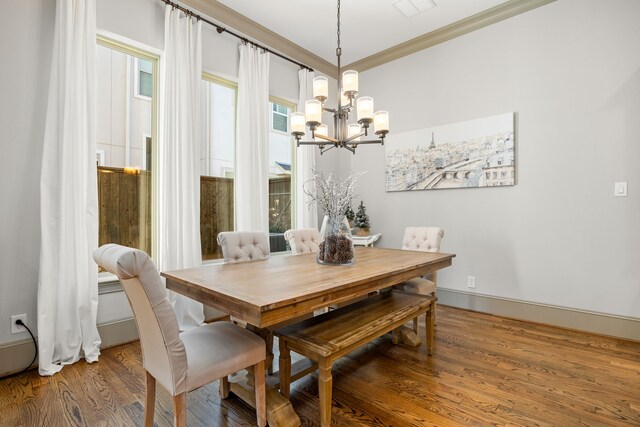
<point>180,361</point>
<point>426,239</point>
<point>303,240</point>
<point>241,246</point>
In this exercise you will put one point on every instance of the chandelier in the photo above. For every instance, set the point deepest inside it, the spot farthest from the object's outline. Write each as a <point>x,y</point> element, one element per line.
<point>345,135</point>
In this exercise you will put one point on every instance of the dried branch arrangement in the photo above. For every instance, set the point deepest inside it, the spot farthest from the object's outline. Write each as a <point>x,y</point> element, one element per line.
<point>331,195</point>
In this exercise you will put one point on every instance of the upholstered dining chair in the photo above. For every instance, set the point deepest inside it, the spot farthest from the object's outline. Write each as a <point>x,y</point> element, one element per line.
<point>303,240</point>
<point>180,361</point>
<point>241,246</point>
<point>426,239</point>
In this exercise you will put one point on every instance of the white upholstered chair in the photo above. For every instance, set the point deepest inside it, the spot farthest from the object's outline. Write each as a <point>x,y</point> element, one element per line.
<point>180,361</point>
<point>241,246</point>
<point>303,240</point>
<point>426,239</point>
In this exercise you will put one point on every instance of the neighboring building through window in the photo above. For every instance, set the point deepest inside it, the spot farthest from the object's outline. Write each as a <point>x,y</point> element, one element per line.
<point>144,77</point>
<point>279,117</point>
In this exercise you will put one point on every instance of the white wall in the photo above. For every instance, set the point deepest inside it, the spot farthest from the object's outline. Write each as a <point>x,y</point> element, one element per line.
<point>26,31</point>
<point>571,72</point>
<point>26,28</point>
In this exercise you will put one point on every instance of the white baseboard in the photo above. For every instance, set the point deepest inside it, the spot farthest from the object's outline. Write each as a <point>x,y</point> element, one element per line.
<point>582,320</point>
<point>15,356</point>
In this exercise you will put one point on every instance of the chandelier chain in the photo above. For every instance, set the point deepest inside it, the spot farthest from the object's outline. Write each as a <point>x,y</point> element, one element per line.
<point>338,25</point>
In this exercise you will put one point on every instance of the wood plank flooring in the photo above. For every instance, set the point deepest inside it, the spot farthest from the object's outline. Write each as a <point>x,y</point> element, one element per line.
<point>485,370</point>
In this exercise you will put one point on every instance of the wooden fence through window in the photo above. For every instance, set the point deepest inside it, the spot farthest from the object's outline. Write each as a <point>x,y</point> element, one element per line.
<point>124,200</point>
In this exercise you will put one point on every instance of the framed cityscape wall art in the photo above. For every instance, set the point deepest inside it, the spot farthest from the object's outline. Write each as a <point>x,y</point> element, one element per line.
<point>469,154</point>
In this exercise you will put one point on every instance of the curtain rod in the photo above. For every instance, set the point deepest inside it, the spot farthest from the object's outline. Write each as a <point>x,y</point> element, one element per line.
<point>221,30</point>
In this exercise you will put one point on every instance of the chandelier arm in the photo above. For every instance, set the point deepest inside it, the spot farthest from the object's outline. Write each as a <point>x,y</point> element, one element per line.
<point>329,110</point>
<point>351,138</point>
<point>327,138</point>
<point>352,148</point>
<point>324,150</point>
<point>370,141</point>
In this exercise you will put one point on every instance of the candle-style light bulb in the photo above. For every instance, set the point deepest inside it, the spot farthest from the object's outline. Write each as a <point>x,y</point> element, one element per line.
<point>381,122</point>
<point>353,129</point>
<point>321,88</point>
<point>313,111</point>
<point>322,130</point>
<point>365,109</point>
<point>297,123</point>
<point>350,83</point>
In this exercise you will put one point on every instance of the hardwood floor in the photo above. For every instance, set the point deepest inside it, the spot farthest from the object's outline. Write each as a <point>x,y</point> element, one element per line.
<point>485,370</point>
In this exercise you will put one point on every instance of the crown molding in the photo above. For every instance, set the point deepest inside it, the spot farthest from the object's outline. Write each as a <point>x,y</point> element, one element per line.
<point>451,31</point>
<point>229,17</point>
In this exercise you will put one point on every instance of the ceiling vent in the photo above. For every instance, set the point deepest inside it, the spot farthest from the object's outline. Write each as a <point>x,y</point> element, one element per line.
<point>411,8</point>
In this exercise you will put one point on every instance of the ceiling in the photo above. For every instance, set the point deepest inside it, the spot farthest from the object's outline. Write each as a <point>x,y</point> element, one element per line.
<point>367,26</point>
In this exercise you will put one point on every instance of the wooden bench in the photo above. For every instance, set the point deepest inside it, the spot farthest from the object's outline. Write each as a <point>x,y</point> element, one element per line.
<point>327,337</point>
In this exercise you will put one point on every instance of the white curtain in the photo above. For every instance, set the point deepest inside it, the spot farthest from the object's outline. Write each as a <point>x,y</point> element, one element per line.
<point>306,215</point>
<point>179,157</point>
<point>68,282</point>
<point>252,141</point>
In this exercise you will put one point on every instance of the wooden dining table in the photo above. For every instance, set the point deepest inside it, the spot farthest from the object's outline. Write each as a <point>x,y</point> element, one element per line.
<point>282,288</point>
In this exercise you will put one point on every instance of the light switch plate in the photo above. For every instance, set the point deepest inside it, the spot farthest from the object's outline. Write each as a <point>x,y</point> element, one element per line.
<point>620,189</point>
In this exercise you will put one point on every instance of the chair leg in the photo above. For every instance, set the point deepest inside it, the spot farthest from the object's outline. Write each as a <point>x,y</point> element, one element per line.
<point>270,352</point>
<point>395,337</point>
<point>149,408</point>
<point>180,410</point>
<point>261,399</point>
<point>224,387</point>
<point>435,319</point>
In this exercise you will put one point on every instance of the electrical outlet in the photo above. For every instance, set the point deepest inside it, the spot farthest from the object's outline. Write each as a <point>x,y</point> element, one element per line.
<point>16,329</point>
<point>471,282</point>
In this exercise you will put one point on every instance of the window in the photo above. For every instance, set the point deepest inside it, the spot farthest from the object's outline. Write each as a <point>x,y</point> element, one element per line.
<point>143,77</point>
<point>279,117</point>
<point>217,165</point>
<point>280,167</point>
<point>217,162</point>
<point>125,135</point>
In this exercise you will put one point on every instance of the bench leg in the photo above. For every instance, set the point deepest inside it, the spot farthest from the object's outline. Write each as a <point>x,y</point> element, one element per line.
<point>415,325</point>
<point>284,371</point>
<point>430,329</point>
<point>325,385</point>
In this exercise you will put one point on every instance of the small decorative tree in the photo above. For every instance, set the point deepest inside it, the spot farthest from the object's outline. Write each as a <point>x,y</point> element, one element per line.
<point>362,220</point>
<point>350,215</point>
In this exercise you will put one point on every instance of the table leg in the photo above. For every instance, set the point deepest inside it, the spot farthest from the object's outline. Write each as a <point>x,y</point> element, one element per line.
<point>280,413</point>
<point>284,369</point>
<point>325,385</point>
